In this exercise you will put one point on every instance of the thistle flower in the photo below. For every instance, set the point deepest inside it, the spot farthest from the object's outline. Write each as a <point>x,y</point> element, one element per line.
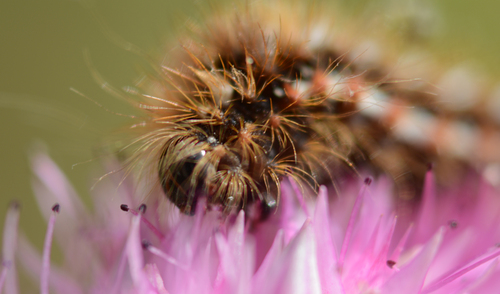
<point>352,243</point>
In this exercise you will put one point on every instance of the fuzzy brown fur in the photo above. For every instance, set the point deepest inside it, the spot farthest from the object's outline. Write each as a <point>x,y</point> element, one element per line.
<point>247,100</point>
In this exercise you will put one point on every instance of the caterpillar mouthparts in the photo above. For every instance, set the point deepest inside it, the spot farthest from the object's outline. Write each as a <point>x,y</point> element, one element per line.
<point>262,96</point>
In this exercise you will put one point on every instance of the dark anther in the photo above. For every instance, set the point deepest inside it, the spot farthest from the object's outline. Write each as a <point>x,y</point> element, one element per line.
<point>124,207</point>
<point>56,207</point>
<point>368,181</point>
<point>453,224</point>
<point>145,244</point>
<point>391,263</point>
<point>142,208</point>
<point>15,204</point>
<point>430,166</point>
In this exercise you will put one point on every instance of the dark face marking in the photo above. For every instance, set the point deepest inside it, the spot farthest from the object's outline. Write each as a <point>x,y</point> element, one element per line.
<point>176,182</point>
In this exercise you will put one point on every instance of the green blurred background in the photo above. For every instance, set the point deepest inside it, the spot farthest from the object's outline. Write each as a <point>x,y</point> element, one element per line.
<point>42,46</point>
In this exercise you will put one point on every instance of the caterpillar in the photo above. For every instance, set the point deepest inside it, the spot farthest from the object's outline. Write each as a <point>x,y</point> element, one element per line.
<point>273,91</point>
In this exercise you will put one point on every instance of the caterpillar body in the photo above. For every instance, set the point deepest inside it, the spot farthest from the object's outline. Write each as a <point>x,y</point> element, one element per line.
<point>276,92</point>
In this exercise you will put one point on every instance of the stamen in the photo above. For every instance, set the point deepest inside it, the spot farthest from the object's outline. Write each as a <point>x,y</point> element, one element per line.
<point>442,282</point>
<point>44,275</point>
<point>2,276</point>
<point>146,245</point>
<point>401,244</point>
<point>142,210</point>
<point>9,273</point>
<point>427,210</point>
<point>384,250</point>
<point>352,219</point>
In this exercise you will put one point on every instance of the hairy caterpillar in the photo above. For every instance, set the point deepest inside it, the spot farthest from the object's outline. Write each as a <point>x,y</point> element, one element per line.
<point>279,91</point>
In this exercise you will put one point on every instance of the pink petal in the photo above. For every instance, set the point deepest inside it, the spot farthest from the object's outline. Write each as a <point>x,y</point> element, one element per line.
<point>261,276</point>
<point>296,270</point>
<point>236,259</point>
<point>61,190</point>
<point>327,259</point>
<point>155,278</point>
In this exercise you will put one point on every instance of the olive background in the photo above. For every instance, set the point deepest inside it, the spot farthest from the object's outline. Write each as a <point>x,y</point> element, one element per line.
<point>42,45</point>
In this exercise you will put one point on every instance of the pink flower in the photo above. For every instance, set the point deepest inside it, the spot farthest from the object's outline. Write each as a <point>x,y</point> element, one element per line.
<point>353,243</point>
